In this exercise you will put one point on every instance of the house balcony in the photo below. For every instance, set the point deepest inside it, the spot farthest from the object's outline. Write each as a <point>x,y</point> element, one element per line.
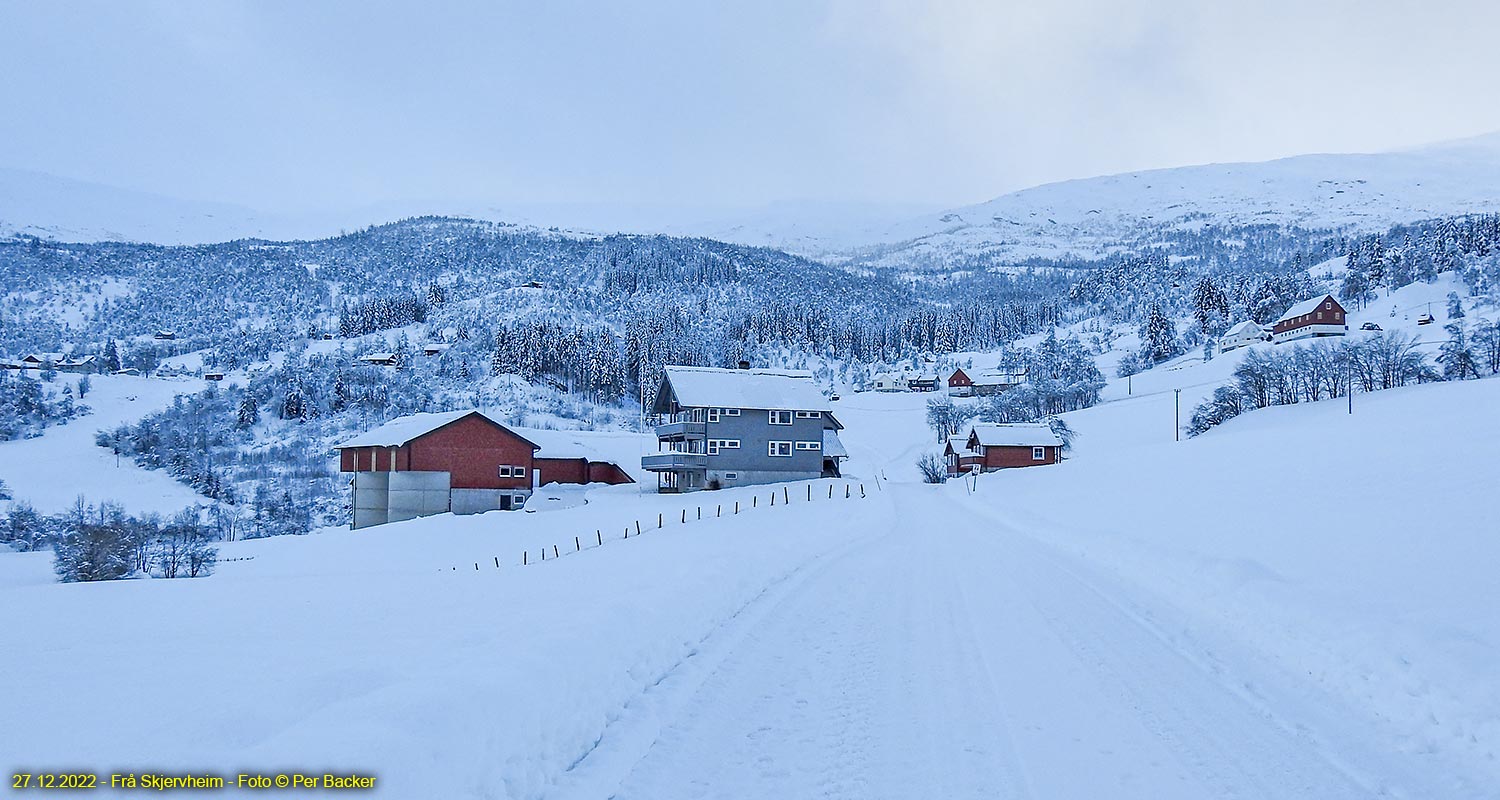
<point>681,430</point>
<point>674,461</point>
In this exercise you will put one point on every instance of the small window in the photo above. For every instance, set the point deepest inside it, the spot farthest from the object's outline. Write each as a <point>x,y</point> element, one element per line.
<point>1328,304</point>
<point>713,447</point>
<point>731,412</point>
<point>780,417</point>
<point>504,471</point>
<point>516,501</point>
<point>1038,454</point>
<point>729,444</point>
<point>729,476</point>
<point>809,445</point>
<point>782,449</point>
<point>713,415</point>
<point>1320,315</point>
<point>809,414</point>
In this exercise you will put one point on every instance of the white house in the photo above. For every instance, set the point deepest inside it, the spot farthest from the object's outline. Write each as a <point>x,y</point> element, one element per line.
<point>1245,333</point>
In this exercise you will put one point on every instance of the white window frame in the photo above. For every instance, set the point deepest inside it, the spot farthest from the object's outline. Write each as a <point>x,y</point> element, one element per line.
<point>1038,454</point>
<point>504,471</point>
<point>809,445</point>
<point>773,416</point>
<point>809,414</point>
<point>715,445</point>
<point>773,447</point>
<point>731,412</point>
<point>729,476</point>
<point>713,415</point>
<point>517,471</point>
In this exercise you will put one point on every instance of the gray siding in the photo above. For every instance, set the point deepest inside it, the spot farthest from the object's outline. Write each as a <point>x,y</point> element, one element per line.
<point>755,433</point>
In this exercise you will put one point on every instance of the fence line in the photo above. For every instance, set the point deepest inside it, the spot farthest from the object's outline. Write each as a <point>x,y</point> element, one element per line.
<point>599,541</point>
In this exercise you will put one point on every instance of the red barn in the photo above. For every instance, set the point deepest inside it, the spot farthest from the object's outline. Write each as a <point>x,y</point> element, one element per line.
<point>459,461</point>
<point>959,383</point>
<point>1320,316</point>
<point>1003,446</point>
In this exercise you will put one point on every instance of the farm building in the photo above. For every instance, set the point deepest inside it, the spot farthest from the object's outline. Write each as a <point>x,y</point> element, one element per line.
<point>1245,333</point>
<point>380,359</point>
<point>459,461</point>
<point>959,458</point>
<point>985,382</point>
<point>1023,444</point>
<point>1320,316</point>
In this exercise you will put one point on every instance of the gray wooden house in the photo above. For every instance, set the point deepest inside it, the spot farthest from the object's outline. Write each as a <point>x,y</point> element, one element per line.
<point>735,427</point>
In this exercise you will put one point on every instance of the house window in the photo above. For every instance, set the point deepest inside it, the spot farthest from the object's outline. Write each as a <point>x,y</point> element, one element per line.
<point>809,414</point>
<point>809,445</point>
<point>518,500</point>
<point>731,412</point>
<point>1038,454</point>
<point>715,445</point>
<point>713,415</point>
<point>729,476</point>
<point>779,449</point>
<point>504,471</point>
<point>1320,315</point>
<point>1328,304</point>
<point>781,417</point>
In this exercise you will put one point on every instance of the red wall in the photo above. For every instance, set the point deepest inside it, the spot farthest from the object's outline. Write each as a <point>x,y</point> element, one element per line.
<point>1331,316</point>
<point>1007,457</point>
<point>471,450</point>
<point>959,378</point>
<point>579,470</point>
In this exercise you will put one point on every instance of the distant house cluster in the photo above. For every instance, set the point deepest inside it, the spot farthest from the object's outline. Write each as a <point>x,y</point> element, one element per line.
<point>465,462</point>
<point>904,381</point>
<point>1316,317</point>
<point>57,361</point>
<point>990,447</point>
<point>983,383</point>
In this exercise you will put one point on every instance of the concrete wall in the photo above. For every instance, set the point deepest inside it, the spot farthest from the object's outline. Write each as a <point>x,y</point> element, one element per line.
<point>370,496</point>
<point>416,494</point>
<point>478,501</point>
<point>750,477</point>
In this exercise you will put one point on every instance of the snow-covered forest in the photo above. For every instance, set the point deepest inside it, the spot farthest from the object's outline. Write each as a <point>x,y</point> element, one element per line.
<point>556,328</point>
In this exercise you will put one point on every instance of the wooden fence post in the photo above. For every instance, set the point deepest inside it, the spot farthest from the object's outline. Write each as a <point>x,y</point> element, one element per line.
<point>773,497</point>
<point>497,562</point>
<point>684,517</point>
<point>736,506</point>
<point>830,491</point>
<point>753,499</point>
<point>544,553</point>
<point>554,551</point>
<point>846,491</point>
<point>476,566</point>
<point>809,493</point>
<point>700,512</point>
<point>576,545</point>
<point>719,510</point>
<point>658,520</point>
<point>599,535</point>
<point>637,527</point>
<point>861,490</point>
<point>785,498</point>
<point>524,557</point>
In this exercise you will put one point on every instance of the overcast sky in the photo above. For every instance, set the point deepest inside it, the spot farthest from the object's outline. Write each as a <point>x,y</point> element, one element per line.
<point>298,106</point>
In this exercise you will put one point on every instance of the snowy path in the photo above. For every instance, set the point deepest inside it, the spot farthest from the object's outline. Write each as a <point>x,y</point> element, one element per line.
<point>952,662</point>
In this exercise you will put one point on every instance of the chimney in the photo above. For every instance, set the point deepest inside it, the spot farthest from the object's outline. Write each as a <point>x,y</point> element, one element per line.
<point>744,365</point>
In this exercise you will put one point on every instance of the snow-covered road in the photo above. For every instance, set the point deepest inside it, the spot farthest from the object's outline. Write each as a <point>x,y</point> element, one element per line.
<point>975,661</point>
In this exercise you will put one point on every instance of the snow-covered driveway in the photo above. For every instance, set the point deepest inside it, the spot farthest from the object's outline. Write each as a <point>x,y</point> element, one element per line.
<point>975,661</point>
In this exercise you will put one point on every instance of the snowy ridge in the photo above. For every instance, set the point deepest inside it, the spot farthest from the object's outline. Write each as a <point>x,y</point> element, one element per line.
<point>1089,217</point>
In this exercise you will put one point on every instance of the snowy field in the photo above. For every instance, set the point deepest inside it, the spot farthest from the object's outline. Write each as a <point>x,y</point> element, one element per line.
<point>1298,604</point>
<point>52,470</point>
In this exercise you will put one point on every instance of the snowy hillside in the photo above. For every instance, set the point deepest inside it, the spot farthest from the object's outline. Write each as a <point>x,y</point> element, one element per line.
<point>1089,218</point>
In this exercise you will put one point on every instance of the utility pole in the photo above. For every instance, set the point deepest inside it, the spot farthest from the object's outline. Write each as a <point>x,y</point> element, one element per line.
<point>1177,415</point>
<point>1128,385</point>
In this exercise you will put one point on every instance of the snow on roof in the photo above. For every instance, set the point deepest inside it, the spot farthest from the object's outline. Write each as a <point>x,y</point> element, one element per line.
<point>378,357</point>
<point>1304,307</point>
<point>1248,326</point>
<point>703,387</point>
<point>1019,434</point>
<point>571,444</point>
<point>959,444</point>
<point>998,377</point>
<point>401,430</point>
<point>832,447</point>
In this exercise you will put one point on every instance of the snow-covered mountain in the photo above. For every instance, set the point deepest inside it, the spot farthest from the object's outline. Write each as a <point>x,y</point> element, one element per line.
<point>1089,217</point>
